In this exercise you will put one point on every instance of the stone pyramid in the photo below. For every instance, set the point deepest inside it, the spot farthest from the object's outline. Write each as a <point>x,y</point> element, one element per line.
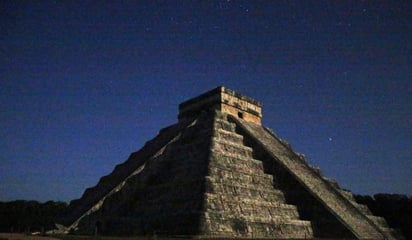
<point>219,173</point>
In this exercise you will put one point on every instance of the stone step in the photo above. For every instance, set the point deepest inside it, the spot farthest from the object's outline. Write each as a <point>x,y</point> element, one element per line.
<point>195,132</point>
<point>225,215</point>
<point>224,124</point>
<point>257,212</point>
<point>363,208</point>
<point>332,182</point>
<point>249,191</point>
<point>223,161</point>
<point>152,208</point>
<point>240,226</point>
<point>380,221</point>
<point>250,206</point>
<point>230,136</point>
<point>348,195</point>
<point>316,169</point>
<point>231,149</point>
<point>241,174</point>
<point>248,216</point>
<point>175,173</point>
<point>392,234</point>
<point>285,230</point>
<point>178,189</point>
<point>186,170</point>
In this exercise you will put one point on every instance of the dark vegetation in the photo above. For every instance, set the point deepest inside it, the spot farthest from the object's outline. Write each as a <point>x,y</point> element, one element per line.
<point>31,216</point>
<point>395,208</point>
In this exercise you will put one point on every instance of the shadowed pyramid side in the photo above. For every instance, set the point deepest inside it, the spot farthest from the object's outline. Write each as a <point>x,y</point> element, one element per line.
<point>166,196</point>
<point>109,183</point>
<point>321,191</point>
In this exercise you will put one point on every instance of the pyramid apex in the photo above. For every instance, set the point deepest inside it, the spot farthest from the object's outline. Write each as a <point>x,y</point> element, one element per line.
<point>224,100</point>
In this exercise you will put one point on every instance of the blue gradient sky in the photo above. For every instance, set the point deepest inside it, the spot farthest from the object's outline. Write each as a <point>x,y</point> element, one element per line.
<point>85,83</point>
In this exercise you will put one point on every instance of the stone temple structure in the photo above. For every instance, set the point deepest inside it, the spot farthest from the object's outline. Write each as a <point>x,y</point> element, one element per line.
<point>218,172</point>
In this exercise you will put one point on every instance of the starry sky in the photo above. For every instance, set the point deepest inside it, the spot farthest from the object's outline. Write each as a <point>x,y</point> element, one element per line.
<point>85,83</point>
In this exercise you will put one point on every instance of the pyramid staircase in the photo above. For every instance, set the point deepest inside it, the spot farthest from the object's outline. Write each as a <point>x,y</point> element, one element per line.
<point>240,198</point>
<point>219,173</point>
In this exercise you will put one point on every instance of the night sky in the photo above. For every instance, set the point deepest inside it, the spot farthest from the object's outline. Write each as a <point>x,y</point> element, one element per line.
<point>84,84</point>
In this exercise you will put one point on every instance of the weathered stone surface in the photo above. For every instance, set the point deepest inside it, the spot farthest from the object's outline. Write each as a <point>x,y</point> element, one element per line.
<point>351,215</point>
<point>223,100</point>
<point>219,173</point>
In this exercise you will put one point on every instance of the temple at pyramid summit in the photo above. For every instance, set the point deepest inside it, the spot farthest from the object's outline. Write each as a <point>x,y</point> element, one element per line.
<point>218,173</point>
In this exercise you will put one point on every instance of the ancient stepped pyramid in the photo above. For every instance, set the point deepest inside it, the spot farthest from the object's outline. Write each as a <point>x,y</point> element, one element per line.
<point>219,173</point>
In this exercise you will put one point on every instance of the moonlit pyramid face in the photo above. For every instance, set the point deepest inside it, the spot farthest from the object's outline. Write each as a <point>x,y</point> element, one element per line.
<point>219,173</point>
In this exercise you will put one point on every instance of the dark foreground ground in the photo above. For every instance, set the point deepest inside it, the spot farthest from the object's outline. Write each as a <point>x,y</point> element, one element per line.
<point>19,236</point>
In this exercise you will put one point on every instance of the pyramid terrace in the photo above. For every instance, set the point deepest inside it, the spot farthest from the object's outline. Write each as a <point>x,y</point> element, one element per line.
<point>218,173</point>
